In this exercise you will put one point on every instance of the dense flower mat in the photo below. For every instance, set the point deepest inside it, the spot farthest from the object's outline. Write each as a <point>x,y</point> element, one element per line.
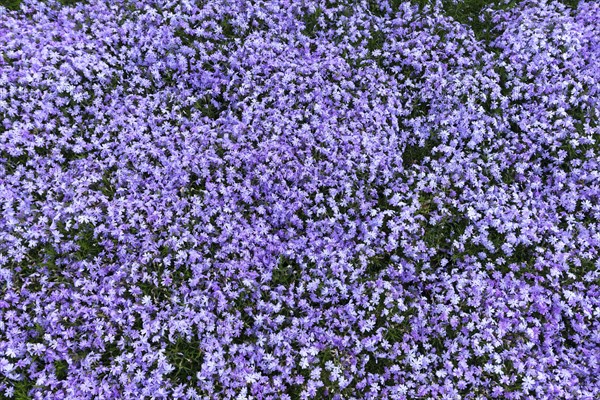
<point>286,199</point>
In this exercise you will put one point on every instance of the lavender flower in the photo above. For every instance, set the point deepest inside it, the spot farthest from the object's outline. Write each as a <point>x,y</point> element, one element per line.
<point>299,200</point>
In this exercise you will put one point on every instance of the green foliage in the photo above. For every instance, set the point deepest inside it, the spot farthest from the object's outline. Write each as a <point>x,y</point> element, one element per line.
<point>376,40</point>
<point>441,234</point>
<point>10,4</point>
<point>311,22</point>
<point>570,3</point>
<point>22,389</point>
<point>61,369</point>
<point>104,185</point>
<point>509,175</point>
<point>468,12</point>
<point>416,153</point>
<point>15,4</point>
<point>228,29</point>
<point>286,273</point>
<point>210,107</point>
<point>89,246</point>
<point>187,358</point>
<point>378,264</point>
<point>377,365</point>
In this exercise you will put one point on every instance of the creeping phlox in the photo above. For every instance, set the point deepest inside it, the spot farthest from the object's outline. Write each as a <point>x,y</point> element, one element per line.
<point>281,199</point>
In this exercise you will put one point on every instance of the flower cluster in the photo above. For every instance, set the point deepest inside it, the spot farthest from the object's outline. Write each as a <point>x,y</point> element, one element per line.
<point>280,199</point>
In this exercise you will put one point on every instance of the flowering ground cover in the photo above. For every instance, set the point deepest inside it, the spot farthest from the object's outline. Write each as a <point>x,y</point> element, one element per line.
<point>282,199</point>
